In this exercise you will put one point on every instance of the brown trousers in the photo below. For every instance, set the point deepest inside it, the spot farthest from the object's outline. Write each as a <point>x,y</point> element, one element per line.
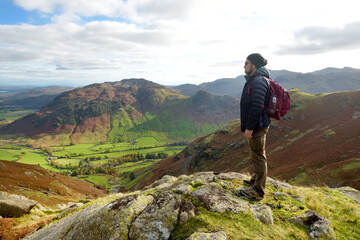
<point>258,158</point>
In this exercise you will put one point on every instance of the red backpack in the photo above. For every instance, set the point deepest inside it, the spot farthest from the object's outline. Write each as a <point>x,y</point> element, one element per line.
<point>278,102</point>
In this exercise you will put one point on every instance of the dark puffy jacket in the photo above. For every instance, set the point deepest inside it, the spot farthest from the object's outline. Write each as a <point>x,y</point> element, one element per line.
<point>253,116</point>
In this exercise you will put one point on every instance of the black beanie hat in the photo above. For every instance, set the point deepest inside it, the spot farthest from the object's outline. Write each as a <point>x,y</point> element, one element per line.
<point>258,60</point>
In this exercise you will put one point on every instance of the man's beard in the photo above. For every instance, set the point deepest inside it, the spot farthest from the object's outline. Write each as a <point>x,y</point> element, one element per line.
<point>250,70</point>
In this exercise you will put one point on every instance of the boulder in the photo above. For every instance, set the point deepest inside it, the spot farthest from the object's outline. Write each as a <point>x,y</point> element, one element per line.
<point>203,177</point>
<point>263,213</point>
<point>12,205</point>
<point>231,176</point>
<point>110,221</point>
<point>158,219</point>
<point>350,192</point>
<point>183,189</point>
<point>219,235</point>
<point>218,200</point>
<point>319,227</point>
<point>278,184</point>
<point>162,183</point>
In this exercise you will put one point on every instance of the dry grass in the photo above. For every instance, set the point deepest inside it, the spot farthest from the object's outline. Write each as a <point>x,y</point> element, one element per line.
<point>10,231</point>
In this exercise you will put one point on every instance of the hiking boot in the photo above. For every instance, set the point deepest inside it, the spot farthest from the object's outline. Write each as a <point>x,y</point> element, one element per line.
<point>251,193</point>
<point>249,183</point>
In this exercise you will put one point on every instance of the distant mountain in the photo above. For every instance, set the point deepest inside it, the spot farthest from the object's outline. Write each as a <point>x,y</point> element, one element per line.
<point>34,98</point>
<point>316,143</point>
<point>224,86</point>
<point>125,111</point>
<point>323,81</point>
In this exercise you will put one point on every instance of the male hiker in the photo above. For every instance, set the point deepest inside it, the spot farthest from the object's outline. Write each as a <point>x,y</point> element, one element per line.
<point>255,122</point>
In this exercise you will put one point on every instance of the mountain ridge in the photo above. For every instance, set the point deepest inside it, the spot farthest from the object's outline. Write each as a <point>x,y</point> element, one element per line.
<point>134,106</point>
<point>321,81</point>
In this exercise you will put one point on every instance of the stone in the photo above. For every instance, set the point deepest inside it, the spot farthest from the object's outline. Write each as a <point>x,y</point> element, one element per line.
<point>225,184</point>
<point>12,205</point>
<point>319,226</point>
<point>187,211</point>
<point>98,221</point>
<point>263,213</point>
<point>231,176</point>
<point>278,184</point>
<point>203,177</point>
<point>356,115</point>
<point>219,235</point>
<point>350,192</point>
<point>183,189</point>
<point>280,194</point>
<point>158,219</point>
<point>163,183</point>
<point>218,200</point>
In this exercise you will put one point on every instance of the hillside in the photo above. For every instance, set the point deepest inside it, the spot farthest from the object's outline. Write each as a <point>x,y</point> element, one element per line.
<point>316,143</point>
<point>322,81</point>
<point>206,206</point>
<point>51,191</point>
<point>34,98</point>
<point>46,187</point>
<point>225,86</point>
<point>124,111</point>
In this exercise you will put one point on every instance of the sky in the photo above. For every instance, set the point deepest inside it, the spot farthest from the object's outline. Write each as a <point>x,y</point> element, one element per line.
<point>171,42</point>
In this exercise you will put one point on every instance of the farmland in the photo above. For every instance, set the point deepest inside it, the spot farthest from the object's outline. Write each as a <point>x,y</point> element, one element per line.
<point>109,166</point>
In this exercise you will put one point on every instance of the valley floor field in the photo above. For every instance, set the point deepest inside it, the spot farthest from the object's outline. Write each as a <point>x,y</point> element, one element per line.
<point>109,166</point>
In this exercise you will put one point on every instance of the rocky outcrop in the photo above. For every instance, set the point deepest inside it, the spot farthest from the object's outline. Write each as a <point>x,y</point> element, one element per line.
<point>350,192</point>
<point>263,213</point>
<point>219,235</point>
<point>160,209</point>
<point>12,205</point>
<point>320,227</point>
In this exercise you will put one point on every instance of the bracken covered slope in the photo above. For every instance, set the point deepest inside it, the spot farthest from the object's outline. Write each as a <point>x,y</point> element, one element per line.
<point>45,187</point>
<point>317,143</point>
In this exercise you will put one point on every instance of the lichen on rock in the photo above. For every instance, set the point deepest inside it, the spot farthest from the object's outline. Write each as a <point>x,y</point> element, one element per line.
<point>319,226</point>
<point>263,213</point>
<point>171,205</point>
<point>219,235</point>
<point>217,200</point>
<point>12,205</point>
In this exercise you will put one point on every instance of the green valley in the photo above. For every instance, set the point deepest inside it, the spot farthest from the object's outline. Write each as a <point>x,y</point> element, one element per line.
<point>109,166</point>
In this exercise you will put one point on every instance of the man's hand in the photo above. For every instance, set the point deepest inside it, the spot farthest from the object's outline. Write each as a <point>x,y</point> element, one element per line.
<point>248,133</point>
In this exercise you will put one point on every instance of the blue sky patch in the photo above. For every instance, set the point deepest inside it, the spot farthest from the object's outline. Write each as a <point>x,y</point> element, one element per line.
<point>10,14</point>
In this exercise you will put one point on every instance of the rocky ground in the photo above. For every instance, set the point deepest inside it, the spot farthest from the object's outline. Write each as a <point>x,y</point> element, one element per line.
<point>206,206</point>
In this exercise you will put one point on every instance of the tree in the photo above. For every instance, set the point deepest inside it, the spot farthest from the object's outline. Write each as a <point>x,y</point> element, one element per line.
<point>132,176</point>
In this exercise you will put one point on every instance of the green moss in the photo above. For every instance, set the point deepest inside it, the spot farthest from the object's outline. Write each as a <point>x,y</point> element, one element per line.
<point>351,166</point>
<point>329,133</point>
<point>196,185</point>
<point>342,213</point>
<point>237,226</point>
<point>209,138</point>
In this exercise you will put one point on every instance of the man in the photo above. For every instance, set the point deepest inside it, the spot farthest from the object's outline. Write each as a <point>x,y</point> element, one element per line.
<point>255,122</point>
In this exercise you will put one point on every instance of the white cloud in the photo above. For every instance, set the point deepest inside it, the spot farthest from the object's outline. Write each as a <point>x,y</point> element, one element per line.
<point>312,40</point>
<point>173,42</point>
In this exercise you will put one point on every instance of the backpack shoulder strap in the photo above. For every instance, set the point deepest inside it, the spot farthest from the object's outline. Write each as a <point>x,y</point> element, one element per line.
<point>268,79</point>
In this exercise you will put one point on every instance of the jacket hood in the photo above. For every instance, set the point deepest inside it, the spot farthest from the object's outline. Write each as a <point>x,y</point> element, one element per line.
<point>259,72</point>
